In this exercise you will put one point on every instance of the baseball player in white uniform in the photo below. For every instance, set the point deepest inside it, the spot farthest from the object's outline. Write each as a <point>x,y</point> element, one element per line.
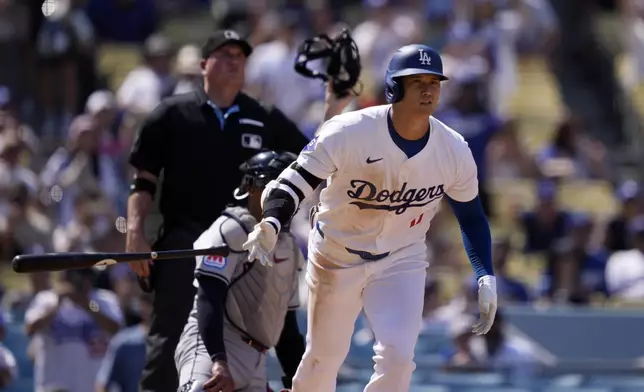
<point>387,169</point>
<point>242,309</point>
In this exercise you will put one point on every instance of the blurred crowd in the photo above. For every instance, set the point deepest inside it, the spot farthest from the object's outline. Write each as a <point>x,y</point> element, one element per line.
<point>66,131</point>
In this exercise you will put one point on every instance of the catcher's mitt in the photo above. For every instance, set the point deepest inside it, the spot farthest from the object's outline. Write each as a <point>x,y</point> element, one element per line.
<point>343,61</point>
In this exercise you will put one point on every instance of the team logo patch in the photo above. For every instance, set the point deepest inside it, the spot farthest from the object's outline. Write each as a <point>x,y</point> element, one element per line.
<point>312,144</point>
<point>218,262</point>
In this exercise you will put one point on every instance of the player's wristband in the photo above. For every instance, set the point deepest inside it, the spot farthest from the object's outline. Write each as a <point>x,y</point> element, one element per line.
<point>489,280</point>
<point>274,222</point>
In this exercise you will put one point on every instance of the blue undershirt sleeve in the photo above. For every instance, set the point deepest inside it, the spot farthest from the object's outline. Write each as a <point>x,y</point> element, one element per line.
<point>475,231</point>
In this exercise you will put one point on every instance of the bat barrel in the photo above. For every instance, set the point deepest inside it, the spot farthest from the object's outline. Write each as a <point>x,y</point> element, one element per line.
<point>66,261</point>
<point>51,262</point>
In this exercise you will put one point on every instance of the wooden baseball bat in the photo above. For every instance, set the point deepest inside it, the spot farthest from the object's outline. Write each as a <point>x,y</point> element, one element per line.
<point>66,261</point>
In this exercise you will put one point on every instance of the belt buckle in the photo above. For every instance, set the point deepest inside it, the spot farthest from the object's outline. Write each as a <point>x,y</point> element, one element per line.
<point>255,345</point>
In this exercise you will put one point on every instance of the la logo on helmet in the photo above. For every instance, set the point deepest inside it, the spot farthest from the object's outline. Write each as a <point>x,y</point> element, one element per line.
<point>424,58</point>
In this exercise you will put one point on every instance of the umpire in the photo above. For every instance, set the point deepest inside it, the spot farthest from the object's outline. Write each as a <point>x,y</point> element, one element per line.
<point>198,140</point>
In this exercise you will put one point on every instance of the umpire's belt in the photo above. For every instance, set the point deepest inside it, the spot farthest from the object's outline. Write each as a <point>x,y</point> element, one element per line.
<point>366,256</point>
<point>255,344</point>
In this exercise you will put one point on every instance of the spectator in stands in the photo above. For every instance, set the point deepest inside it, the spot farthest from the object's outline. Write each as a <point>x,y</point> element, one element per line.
<point>14,45</point>
<point>8,364</point>
<point>384,29</point>
<point>625,269</point>
<point>123,21</point>
<point>576,269</point>
<point>124,284</point>
<point>65,51</point>
<point>499,351</point>
<point>12,171</point>
<point>507,158</point>
<point>145,86</point>
<point>91,229</point>
<point>122,366</point>
<point>573,154</point>
<point>25,229</point>
<point>188,69</point>
<point>272,80</point>
<point>496,351</point>
<point>81,166</point>
<point>467,113</point>
<point>71,327</point>
<point>11,124</point>
<point>629,195</point>
<point>101,105</point>
<point>547,222</point>
<point>480,30</point>
<point>459,356</point>
<point>538,28</point>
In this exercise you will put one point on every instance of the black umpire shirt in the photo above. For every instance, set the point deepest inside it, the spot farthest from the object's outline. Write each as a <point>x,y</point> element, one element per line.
<point>199,147</point>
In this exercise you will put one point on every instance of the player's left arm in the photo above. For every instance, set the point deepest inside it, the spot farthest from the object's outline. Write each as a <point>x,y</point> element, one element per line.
<point>466,204</point>
<point>290,347</point>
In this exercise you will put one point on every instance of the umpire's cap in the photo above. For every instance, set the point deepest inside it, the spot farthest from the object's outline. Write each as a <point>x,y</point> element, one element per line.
<point>224,37</point>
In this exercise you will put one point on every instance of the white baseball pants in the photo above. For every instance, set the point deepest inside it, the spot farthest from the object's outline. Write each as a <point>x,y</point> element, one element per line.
<point>391,291</point>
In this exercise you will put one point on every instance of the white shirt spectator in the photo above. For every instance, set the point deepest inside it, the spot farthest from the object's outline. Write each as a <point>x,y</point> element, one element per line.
<point>69,353</point>
<point>274,81</point>
<point>625,275</point>
<point>8,364</point>
<point>142,90</point>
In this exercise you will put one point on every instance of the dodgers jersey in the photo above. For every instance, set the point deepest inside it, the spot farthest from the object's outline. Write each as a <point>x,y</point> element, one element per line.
<point>258,296</point>
<point>378,200</point>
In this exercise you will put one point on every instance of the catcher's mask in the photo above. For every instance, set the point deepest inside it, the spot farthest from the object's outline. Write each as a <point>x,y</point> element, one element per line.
<point>343,61</point>
<point>260,169</point>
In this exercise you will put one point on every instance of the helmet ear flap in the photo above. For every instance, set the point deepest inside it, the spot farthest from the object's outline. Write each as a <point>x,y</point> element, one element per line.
<point>393,91</point>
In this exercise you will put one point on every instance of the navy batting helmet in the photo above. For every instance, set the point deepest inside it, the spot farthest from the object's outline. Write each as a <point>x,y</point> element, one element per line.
<point>261,168</point>
<point>410,60</point>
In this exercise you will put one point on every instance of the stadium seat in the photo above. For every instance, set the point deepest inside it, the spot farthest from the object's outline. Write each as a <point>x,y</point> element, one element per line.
<point>563,381</point>
<point>578,389</point>
<point>429,361</point>
<point>353,387</point>
<point>617,381</point>
<point>429,388</point>
<point>466,380</point>
<point>492,389</point>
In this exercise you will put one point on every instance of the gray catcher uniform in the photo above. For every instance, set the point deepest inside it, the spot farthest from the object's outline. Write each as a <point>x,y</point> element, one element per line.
<point>257,300</point>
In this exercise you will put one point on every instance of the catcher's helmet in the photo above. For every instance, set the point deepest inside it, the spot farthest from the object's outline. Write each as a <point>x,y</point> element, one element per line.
<point>261,168</point>
<point>410,60</point>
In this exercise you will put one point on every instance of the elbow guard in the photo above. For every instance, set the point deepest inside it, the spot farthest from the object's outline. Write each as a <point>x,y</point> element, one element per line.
<point>279,204</point>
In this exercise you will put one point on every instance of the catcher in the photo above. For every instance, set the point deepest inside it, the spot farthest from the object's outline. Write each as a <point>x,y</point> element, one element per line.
<point>242,309</point>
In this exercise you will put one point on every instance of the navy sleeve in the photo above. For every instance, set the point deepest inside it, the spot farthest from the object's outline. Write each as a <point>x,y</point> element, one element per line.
<point>210,315</point>
<point>475,231</point>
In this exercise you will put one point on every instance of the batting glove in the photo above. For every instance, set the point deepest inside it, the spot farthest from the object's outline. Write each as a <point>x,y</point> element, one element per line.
<point>261,242</point>
<point>487,304</point>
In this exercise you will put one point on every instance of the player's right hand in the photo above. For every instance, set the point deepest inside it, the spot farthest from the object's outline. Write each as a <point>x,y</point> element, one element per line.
<point>221,380</point>
<point>261,242</point>
<point>136,242</point>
